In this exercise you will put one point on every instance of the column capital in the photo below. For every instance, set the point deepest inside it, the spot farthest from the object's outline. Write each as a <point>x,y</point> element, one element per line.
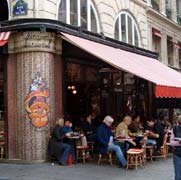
<point>33,41</point>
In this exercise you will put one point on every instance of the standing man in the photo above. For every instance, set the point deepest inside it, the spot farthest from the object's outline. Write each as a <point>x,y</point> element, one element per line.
<point>105,139</point>
<point>175,141</point>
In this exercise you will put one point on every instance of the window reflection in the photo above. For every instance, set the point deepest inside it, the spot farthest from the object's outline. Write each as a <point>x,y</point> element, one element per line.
<point>73,13</point>
<point>130,37</point>
<point>62,12</point>
<point>123,27</point>
<point>93,21</point>
<point>79,13</point>
<point>84,14</point>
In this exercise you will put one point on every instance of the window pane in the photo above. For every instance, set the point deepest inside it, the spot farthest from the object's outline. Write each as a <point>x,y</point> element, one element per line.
<point>73,12</point>
<point>93,21</point>
<point>62,11</point>
<point>123,27</point>
<point>130,31</point>
<point>136,37</point>
<point>84,14</point>
<point>116,32</point>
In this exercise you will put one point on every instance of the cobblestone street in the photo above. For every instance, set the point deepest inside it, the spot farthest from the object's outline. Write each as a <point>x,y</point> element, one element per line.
<point>158,170</point>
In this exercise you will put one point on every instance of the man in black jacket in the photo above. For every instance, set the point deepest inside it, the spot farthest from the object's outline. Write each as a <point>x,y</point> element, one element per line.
<point>155,133</point>
<point>89,128</point>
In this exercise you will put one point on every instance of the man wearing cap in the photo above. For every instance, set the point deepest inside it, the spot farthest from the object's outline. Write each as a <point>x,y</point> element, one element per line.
<point>105,139</point>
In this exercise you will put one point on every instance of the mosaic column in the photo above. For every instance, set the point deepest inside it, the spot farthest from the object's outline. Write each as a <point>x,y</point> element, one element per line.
<point>35,56</point>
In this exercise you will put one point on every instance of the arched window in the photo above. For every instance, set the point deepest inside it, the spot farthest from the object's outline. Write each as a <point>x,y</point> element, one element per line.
<point>4,11</point>
<point>126,29</point>
<point>80,13</point>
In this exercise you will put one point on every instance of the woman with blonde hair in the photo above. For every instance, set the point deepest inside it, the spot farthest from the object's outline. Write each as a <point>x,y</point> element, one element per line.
<point>57,147</point>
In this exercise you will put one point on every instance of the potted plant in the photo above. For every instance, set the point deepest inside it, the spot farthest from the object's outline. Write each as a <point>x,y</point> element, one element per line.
<point>169,12</point>
<point>155,4</point>
<point>179,19</point>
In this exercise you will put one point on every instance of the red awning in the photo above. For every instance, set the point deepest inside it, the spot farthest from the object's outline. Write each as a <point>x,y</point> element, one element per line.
<point>177,45</point>
<point>4,36</point>
<point>166,79</point>
<point>157,32</point>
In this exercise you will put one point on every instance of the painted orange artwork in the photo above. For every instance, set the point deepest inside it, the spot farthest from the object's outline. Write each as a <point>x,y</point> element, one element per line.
<point>35,102</point>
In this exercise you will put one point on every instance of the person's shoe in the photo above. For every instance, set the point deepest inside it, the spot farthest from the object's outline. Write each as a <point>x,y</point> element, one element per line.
<point>63,164</point>
<point>157,153</point>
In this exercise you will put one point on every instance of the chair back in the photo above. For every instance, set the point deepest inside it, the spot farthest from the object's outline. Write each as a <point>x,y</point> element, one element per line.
<point>165,139</point>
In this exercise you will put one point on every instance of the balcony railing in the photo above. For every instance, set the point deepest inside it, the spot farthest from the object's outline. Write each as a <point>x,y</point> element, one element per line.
<point>155,5</point>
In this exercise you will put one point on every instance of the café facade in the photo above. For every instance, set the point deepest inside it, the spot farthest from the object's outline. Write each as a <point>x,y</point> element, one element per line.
<point>51,69</point>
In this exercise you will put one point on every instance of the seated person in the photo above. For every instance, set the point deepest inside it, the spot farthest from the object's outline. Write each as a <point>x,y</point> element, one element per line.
<point>68,129</point>
<point>135,127</point>
<point>155,133</point>
<point>135,130</point>
<point>122,130</point>
<point>56,146</point>
<point>89,128</point>
<point>105,140</point>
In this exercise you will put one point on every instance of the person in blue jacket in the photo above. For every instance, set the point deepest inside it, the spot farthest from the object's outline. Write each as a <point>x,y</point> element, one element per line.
<point>105,140</point>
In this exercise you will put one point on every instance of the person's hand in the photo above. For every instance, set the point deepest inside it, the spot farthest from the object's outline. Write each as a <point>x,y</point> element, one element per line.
<point>110,144</point>
<point>147,132</point>
<point>89,132</point>
<point>133,143</point>
<point>157,135</point>
<point>68,134</point>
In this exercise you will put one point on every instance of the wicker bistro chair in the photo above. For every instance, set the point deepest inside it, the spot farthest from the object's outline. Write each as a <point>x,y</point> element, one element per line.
<point>82,147</point>
<point>81,152</point>
<point>136,156</point>
<point>105,157</point>
<point>164,148</point>
<point>150,149</point>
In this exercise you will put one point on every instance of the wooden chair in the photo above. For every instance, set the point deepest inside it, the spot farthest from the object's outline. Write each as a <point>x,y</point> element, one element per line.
<point>164,148</point>
<point>105,157</point>
<point>81,152</point>
<point>136,156</point>
<point>150,149</point>
<point>91,148</point>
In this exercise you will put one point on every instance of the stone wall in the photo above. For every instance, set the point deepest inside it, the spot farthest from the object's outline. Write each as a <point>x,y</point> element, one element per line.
<point>108,11</point>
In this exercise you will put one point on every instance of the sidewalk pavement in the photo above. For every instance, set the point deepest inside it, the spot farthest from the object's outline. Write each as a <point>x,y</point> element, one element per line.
<point>158,170</point>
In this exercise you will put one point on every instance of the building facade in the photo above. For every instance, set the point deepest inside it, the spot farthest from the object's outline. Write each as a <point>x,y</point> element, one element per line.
<point>34,70</point>
<point>164,30</point>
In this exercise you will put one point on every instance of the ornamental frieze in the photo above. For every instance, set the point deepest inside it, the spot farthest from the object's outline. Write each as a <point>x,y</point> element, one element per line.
<point>35,41</point>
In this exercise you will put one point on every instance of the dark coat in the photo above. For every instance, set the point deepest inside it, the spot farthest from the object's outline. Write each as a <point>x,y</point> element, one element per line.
<point>55,144</point>
<point>103,136</point>
<point>88,128</point>
<point>157,129</point>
